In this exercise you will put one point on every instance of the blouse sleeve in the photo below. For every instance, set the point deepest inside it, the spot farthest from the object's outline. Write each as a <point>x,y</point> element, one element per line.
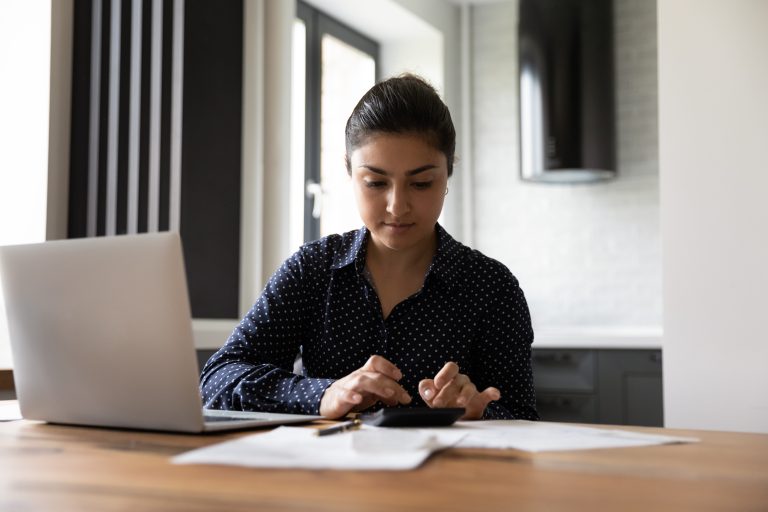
<point>253,370</point>
<point>504,356</point>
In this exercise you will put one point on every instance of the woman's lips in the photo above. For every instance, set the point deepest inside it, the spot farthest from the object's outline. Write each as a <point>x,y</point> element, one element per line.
<point>398,227</point>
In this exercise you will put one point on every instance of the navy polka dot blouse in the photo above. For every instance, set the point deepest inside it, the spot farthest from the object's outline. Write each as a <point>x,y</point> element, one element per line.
<point>320,305</point>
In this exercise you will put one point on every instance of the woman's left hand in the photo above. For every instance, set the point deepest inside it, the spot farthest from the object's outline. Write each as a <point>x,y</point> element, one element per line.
<point>450,388</point>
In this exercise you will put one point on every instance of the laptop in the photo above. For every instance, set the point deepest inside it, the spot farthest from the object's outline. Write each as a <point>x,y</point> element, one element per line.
<point>101,335</point>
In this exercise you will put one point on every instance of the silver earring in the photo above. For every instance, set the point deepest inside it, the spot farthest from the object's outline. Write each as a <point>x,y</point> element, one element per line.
<point>446,191</point>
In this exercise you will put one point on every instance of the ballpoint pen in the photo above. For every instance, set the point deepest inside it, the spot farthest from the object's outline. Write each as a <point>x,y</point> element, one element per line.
<point>341,427</point>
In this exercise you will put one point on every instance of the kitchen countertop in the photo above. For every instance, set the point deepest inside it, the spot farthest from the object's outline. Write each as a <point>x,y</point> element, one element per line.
<point>211,334</point>
<point>599,337</point>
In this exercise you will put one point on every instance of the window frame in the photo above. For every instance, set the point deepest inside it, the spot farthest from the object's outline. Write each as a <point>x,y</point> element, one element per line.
<point>317,24</point>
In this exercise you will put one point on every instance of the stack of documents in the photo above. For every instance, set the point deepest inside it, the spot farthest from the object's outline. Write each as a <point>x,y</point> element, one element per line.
<point>539,436</point>
<point>297,447</point>
<point>382,448</point>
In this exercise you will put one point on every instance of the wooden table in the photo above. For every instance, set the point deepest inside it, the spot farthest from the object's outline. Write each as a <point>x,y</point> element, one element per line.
<point>61,468</point>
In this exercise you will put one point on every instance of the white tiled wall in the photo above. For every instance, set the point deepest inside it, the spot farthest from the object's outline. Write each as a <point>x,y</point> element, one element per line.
<point>586,255</point>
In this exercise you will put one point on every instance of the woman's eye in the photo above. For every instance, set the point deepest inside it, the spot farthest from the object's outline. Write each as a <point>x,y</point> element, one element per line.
<point>374,184</point>
<point>422,185</point>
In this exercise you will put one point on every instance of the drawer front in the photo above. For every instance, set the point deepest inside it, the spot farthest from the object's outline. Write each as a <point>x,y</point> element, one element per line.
<point>567,407</point>
<point>631,391</point>
<point>564,370</point>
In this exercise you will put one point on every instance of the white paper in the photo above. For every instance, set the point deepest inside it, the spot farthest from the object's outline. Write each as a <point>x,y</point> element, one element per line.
<point>369,448</point>
<point>9,410</point>
<point>374,448</point>
<point>539,436</point>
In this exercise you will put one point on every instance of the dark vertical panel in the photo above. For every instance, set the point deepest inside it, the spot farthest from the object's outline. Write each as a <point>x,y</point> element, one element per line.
<point>211,138</point>
<point>146,69</point>
<point>123,125</point>
<point>81,92</point>
<point>211,155</point>
<point>106,30</point>
<point>165,115</point>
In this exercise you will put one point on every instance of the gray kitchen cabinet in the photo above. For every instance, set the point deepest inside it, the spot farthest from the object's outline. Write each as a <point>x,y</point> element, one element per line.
<point>611,386</point>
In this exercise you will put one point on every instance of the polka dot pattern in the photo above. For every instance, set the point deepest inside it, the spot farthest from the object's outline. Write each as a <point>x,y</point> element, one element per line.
<point>320,305</point>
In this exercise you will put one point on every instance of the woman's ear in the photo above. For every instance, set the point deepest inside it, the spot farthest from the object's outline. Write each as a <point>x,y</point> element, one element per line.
<point>347,164</point>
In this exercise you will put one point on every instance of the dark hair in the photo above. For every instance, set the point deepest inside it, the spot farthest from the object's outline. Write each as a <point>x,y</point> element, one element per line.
<point>402,104</point>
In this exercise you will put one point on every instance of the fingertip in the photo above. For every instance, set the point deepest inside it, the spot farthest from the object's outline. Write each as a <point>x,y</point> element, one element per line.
<point>446,374</point>
<point>453,368</point>
<point>426,389</point>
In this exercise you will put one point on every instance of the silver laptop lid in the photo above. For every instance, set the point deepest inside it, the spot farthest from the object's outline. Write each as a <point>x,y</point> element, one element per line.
<point>101,332</point>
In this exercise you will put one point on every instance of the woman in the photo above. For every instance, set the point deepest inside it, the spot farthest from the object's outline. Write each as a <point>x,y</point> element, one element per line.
<point>397,313</point>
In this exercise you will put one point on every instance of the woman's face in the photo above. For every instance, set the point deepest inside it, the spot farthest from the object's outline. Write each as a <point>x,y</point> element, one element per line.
<point>399,181</point>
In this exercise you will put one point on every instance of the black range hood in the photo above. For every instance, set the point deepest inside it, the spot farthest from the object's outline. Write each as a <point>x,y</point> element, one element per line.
<point>566,91</point>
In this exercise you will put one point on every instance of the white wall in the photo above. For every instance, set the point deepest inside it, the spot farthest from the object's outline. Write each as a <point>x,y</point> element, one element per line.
<point>60,107</point>
<point>587,256</point>
<point>713,127</point>
<point>445,18</point>
<point>278,34</point>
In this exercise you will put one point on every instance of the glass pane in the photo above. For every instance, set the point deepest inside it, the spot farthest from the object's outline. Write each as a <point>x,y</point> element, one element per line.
<point>347,74</point>
<point>25,59</point>
<point>298,119</point>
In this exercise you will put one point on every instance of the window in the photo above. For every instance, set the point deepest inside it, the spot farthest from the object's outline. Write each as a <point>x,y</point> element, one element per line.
<point>25,58</point>
<point>333,67</point>
<point>25,39</point>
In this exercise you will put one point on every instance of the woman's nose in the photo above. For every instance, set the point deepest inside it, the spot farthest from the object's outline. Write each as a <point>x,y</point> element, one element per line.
<point>398,202</point>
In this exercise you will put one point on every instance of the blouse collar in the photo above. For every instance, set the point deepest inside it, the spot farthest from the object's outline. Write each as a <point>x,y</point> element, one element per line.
<point>443,266</point>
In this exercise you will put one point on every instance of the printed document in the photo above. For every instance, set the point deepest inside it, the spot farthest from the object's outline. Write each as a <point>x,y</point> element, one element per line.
<point>296,447</point>
<point>382,448</point>
<point>540,436</point>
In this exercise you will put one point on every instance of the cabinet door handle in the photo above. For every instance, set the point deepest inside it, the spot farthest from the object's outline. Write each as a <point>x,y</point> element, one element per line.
<point>315,191</point>
<point>557,357</point>
<point>556,401</point>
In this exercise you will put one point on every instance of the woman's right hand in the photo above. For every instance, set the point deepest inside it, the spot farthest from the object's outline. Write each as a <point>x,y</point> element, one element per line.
<point>375,382</point>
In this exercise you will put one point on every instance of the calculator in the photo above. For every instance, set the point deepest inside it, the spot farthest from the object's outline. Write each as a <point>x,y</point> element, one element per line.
<point>413,417</point>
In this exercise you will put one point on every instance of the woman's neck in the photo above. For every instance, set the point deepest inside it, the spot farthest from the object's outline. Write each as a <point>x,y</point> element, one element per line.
<point>418,257</point>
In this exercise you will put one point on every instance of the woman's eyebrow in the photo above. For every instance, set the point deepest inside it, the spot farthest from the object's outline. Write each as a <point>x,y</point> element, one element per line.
<point>407,173</point>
